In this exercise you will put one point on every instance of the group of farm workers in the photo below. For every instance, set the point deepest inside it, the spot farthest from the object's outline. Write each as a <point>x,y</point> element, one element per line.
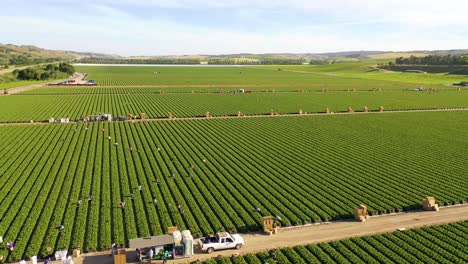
<point>141,255</point>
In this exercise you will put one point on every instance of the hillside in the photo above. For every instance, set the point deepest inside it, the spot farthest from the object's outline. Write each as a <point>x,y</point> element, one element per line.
<point>27,55</point>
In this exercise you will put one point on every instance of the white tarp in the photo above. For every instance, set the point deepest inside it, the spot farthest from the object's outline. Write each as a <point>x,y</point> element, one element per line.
<point>61,255</point>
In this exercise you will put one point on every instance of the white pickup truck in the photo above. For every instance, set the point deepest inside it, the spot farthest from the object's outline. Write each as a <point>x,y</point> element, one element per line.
<point>222,240</point>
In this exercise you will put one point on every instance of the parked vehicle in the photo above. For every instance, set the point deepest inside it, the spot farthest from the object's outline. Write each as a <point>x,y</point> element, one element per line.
<point>222,240</point>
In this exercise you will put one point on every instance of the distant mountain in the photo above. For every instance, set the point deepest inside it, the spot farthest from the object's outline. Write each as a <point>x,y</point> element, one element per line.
<point>25,55</point>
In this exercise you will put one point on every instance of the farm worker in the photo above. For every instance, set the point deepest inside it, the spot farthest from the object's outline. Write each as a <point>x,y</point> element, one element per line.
<point>278,218</point>
<point>61,228</point>
<point>79,202</point>
<point>132,195</point>
<point>113,248</point>
<point>103,130</point>
<point>86,128</point>
<point>109,137</point>
<point>116,143</point>
<point>181,209</point>
<point>150,254</point>
<point>192,166</point>
<point>173,175</point>
<point>139,187</point>
<point>204,160</point>
<point>191,175</point>
<point>131,148</point>
<point>157,181</point>
<point>122,204</point>
<point>159,149</point>
<point>90,197</point>
<point>11,246</point>
<point>155,202</point>
<point>257,209</point>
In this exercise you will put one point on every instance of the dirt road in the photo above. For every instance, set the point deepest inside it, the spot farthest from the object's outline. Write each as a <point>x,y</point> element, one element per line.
<point>251,116</point>
<point>316,233</point>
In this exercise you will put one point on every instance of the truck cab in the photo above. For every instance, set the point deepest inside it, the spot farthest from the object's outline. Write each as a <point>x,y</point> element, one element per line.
<point>222,240</point>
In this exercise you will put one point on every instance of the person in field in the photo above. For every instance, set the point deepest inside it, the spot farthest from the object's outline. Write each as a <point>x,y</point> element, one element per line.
<point>11,246</point>
<point>155,202</point>
<point>79,202</point>
<point>139,187</point>
<point>132,195</point>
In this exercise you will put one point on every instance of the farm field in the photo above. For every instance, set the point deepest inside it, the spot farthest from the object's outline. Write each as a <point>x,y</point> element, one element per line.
<point>437,244</point>
<point>128,76</point>
<point>304,169</point>
<point>365,71</point>
<point>21,108</point>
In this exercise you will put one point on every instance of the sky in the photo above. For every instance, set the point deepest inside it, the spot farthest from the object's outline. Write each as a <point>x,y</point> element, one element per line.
<point>187,27</point>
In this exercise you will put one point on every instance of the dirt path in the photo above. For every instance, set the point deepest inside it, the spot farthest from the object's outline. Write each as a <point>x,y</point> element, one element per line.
<point>343,229</point>
<point>315,233</point>
<point>76,76</point>
<point>253,116</point>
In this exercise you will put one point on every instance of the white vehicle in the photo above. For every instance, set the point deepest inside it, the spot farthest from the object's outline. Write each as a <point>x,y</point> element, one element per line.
<point>222,240</point>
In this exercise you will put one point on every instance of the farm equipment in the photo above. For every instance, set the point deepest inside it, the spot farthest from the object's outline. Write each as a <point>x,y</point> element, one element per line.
<point>100,117</point>
<point>241,91</point>
<point>269,225</point>
<point>429,204</point>
<point>360,213</point>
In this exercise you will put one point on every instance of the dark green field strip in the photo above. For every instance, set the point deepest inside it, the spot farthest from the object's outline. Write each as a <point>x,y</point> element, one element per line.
<point>410,246</point>
<point>303,169</point>
<point>127,76</point>
<point>312,88</point>
<point>41,108</point>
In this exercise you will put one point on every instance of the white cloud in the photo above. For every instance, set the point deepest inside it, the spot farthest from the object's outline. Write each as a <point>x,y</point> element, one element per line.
<point>114,26</point>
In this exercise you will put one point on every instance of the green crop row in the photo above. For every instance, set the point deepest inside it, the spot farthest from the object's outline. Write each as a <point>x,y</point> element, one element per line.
<point>150,75</point>
<point>304,169</point>
<point>41,108</point>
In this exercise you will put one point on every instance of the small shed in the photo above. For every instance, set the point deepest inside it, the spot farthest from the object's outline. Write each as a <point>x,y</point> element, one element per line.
<point>158,244</point>
<point>151,241</point>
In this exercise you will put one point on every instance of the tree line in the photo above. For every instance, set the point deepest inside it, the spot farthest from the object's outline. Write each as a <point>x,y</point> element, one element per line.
<point>433,60</point>
<point>37,73</point>
<point>215,61</point>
